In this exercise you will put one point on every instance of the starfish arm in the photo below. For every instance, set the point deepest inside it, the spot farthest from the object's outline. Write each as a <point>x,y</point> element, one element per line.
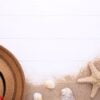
<point>94,90</point>
<point>87,80</point>
<point>94,71</point>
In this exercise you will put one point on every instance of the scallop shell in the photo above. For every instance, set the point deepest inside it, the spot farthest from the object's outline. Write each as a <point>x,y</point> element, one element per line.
<point>67,94</point>
<point>37,96</point>
<point>50,84</point>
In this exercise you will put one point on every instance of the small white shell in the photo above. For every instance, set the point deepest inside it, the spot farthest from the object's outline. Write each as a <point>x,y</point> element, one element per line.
<point>67,94</point>
<point>37,96</point>
<point>50,84</point>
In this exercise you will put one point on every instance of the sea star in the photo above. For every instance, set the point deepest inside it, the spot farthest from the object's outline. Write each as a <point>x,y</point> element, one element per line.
<point>93,79</point>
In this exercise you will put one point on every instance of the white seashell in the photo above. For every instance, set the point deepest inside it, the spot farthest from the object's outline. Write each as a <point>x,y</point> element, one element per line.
<point>67,94</point>
<point>37,96</point>
<point>50,84</point>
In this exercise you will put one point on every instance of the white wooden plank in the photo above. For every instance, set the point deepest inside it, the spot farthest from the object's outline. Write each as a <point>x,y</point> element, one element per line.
<point>49,7</point>
<point>53,49</point>
<point>50,27</point>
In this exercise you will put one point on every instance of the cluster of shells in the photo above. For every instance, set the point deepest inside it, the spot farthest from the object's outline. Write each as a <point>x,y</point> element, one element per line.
<point>66,93</point>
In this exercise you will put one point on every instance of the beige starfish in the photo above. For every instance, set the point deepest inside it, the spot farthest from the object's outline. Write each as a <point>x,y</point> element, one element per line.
<point>94,79</point>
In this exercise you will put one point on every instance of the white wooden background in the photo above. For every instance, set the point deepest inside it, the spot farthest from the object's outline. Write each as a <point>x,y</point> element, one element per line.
<point>50,37</point>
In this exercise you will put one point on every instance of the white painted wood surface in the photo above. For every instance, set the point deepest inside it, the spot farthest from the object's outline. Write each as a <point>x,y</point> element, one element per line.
<point>50,37</point>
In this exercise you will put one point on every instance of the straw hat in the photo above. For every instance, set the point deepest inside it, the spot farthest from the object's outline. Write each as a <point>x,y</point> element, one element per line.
<point>11,76</point>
